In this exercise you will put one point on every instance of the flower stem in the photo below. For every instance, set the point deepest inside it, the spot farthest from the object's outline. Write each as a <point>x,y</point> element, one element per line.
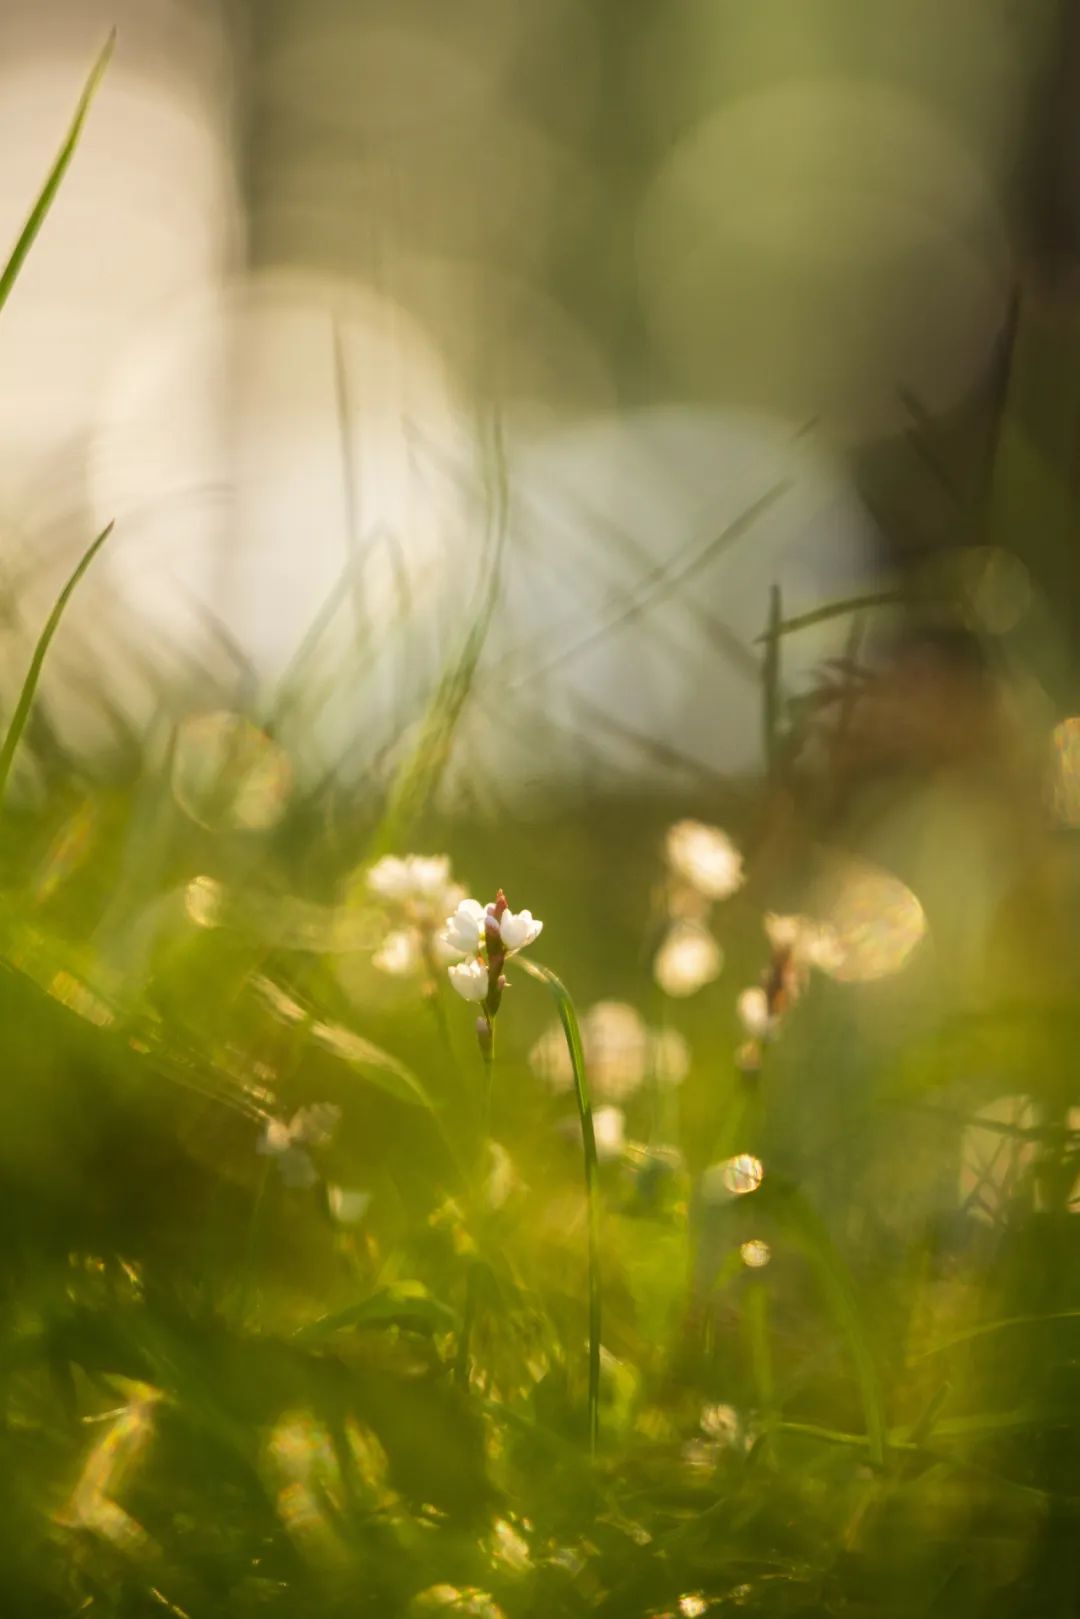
<point>572,1034</point>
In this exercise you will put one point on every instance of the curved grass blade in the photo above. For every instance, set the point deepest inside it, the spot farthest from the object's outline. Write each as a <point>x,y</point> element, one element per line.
<point>572,1033</point>
<point>418,778</point>
<point>33,674</point>
<point>835,609</point>
<point>40,210</point>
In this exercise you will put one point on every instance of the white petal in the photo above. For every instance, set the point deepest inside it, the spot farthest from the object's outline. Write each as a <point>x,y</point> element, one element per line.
<point>470,979</point>
<point>519,929</point>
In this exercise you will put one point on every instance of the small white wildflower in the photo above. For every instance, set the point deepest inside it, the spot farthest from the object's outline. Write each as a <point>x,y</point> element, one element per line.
<point>399,954</point>
<point>705,857</point>
<point>518,929</point>
<point>470,979</point>
<point>465,929</point>
<point>753,1012</point>
<point>688,959</point>
<point>692,1605</point>
<point>609,1130</point>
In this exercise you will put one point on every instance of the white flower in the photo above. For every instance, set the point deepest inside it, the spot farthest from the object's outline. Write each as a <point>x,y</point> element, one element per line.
<point>609,1130</point>
<point>470,979</point>
<point>399,954</point>
<point>705,857</point>
<point>688,959</point>
<point>519,928</point>
<point>310,1127</point>
<point>416,877</point>
<point>465,929</point>
<point>753,1012</point>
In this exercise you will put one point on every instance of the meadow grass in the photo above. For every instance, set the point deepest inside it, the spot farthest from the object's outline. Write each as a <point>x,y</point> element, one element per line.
<point>722,1286</point>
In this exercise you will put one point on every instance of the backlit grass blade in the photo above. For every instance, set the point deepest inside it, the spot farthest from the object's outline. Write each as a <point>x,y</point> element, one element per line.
<point>770,682</point>
<point>572,1034</point>
<point>33,674</point>
<point>40,210</point>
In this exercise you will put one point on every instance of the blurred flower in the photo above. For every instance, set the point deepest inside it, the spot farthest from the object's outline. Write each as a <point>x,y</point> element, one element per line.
<point>465,929</point>
<point>620,1053</point>
<point>609,1130</point>
<point>616,1044</point>
<point>470,979</point>
<point>418,894</point>
<point>754,1015</point>
<point>688,959</point>
<point>399,955</point>
<point>519,929</point>
<point>705,857</point>
<point>311,1127</point>
<point>806,942</point>
<point>670,1055</point>
<point>755,1253</point>
<point>416,876</point>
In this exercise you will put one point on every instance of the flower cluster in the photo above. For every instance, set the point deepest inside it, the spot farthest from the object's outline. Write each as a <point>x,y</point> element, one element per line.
<point>417,893</point>
<point>703,866</point>
<point>482,937</point>
<point>797,944</point>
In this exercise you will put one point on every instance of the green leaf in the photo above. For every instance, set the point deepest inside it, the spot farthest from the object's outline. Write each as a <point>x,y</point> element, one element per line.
<point>40,210</point>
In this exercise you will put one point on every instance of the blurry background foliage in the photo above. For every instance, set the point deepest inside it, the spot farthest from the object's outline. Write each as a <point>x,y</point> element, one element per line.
<point>527,426</point>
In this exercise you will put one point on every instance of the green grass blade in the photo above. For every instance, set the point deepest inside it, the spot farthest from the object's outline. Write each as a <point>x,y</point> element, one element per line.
<point>419,777</point>
<point>836,609</point>
<point>572,1033</point>
<point>804,1226</point>
<point>770,683</point>
<point>33,674</point>
<point>40,210</point>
